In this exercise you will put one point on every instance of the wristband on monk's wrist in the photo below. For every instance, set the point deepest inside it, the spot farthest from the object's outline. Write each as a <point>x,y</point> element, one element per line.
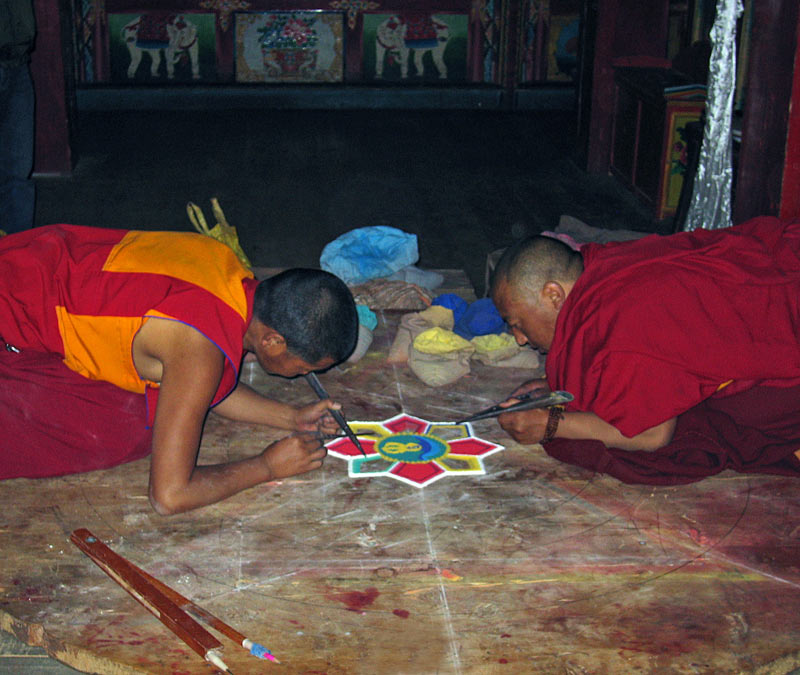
<point>554,416</point>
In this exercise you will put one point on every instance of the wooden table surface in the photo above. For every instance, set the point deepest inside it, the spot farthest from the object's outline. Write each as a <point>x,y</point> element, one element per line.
<point>535,567</point>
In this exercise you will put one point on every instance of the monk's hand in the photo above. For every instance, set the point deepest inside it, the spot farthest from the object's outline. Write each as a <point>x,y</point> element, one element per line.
<point>527,426</point>
<point>530,385</point>
<point>299,453</point>
<point>316,417</point>
<point>538,387</point>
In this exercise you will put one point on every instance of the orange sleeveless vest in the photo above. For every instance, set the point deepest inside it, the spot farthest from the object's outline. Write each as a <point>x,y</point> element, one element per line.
<point>84,292</point>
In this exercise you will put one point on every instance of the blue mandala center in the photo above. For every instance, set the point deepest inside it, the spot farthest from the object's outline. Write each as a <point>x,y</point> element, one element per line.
<point>411,448</point>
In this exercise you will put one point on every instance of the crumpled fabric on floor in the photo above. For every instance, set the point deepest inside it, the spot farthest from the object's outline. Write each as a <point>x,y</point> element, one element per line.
<point>56,422</point>
<point>581,233</point>
<point>385,294</point>
<point>755,431</point>
<point>412,274</point>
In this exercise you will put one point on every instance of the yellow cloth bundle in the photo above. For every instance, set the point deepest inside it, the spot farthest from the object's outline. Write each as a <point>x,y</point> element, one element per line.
<point>485,344</point>
<point>222,231</point>
<point>438,356</point>
<point>440,341</point>
<point>501,349</point>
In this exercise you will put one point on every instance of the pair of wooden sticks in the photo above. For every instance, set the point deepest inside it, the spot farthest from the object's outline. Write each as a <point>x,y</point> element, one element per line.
<point>166,604</point>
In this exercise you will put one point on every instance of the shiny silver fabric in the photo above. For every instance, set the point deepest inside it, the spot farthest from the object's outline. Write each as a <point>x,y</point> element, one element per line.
<point>710,207</point>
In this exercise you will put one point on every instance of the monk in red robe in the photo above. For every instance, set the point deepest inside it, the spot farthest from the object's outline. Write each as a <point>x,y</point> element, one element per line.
<point>115,344</point>
<point>682,352</point>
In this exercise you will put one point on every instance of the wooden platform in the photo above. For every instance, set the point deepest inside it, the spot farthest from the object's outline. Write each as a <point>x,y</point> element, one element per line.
<point>535,567</point>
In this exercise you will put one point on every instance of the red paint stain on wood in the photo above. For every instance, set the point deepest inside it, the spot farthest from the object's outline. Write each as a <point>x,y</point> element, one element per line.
<point>402,613</point>
<point>356,600</point>
<point>505,635</point>
<point>502,660</point>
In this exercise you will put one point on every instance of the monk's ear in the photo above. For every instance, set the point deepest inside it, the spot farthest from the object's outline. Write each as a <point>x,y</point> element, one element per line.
<point>273,342</point>
<point>554,295</point>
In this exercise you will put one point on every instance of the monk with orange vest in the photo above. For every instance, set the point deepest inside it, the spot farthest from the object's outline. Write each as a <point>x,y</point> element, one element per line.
<point>115,344</point>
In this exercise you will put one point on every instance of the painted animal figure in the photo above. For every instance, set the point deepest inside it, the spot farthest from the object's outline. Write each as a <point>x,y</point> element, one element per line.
<point>153,33</point>
<point>399,34</point>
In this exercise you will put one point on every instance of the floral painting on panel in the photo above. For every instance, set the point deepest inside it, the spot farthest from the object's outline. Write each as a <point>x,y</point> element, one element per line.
<point>301,46</point>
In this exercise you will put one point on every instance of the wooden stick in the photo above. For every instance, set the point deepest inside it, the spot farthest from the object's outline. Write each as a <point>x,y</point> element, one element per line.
<point>208,618</point>
<point>150,597</point>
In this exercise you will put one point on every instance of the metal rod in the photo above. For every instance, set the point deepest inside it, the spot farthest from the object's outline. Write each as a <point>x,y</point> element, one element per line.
<point>316,385</point>
<point>527,402</point>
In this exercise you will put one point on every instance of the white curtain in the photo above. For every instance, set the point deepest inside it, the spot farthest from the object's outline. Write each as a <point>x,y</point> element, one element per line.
<point>710,206</point>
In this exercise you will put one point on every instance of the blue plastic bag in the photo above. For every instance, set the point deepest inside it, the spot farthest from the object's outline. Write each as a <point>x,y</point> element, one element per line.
<point>368,253</point>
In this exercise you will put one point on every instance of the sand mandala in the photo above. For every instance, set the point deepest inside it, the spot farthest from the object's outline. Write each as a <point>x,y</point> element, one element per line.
<point>413,450</point>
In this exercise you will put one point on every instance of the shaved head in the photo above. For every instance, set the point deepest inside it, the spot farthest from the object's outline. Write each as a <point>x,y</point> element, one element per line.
<point>529,264</point>
<point>530,284</point>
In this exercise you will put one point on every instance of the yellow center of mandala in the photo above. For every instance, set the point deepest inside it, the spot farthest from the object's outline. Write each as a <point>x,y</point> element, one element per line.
<point>412,448</point>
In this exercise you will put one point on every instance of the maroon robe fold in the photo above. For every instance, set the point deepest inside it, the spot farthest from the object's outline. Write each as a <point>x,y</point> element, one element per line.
<point>56,422</point>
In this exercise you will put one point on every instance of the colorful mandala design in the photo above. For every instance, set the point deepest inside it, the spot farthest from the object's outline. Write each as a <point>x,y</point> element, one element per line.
<point>413,450</point>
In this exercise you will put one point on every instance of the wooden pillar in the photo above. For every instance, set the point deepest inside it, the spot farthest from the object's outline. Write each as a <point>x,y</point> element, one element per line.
<point>601,101</point>
<point>763,154</point>
<point>790,192</point>
<point>54,88</point>
<point>509,49</point>
<point>586,59</point>
<point>625,29</point>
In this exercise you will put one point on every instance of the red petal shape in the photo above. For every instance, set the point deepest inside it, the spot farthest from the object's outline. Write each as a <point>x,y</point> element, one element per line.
<point>418,473</point>
<point>345,446</point>
<point>406,423</point>
<point>471,446</point>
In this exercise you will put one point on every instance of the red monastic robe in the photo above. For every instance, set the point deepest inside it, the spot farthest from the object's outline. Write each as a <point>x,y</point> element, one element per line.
<point>701,325</point>
<point>72,299</point>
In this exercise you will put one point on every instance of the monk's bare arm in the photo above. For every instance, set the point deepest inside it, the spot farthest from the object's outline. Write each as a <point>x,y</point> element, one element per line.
<point>584,425</point>
<point>246,405</point>
<point>529,427</point>
<point>191,368</point>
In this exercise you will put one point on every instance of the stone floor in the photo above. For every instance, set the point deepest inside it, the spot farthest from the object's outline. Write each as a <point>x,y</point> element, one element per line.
<point>466,182</point>
<point>534,567</point>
